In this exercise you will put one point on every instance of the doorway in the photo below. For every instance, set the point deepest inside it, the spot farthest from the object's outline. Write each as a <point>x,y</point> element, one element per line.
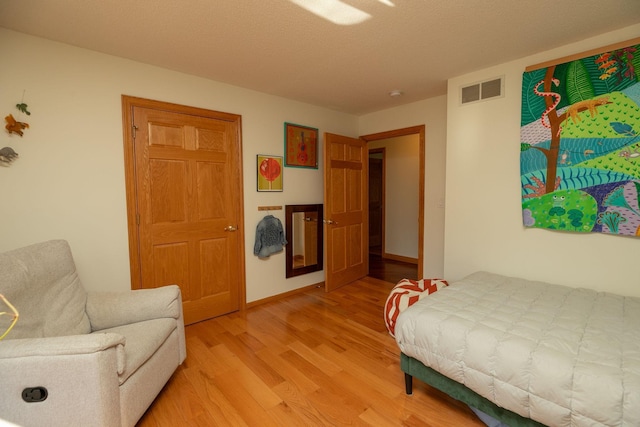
<point>382,265</point>
<point>402,258</point>
<point>376,200</point>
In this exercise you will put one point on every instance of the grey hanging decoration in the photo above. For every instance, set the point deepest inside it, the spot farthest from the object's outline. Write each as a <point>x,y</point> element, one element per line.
<point>7,156</point>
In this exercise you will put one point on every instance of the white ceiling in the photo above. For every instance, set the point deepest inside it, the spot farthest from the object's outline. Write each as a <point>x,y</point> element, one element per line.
<point>346,55</point>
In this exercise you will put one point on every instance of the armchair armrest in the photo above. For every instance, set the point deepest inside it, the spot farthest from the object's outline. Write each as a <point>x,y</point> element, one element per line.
<point>64,346</point>
<point>78,373</point>
<point>111,309</point>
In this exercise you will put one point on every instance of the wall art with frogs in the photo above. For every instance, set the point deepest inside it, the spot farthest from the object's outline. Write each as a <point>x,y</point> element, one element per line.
<point>580,144</point>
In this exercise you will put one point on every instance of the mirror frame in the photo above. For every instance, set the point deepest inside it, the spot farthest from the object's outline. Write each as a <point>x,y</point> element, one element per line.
<point>289,211</point>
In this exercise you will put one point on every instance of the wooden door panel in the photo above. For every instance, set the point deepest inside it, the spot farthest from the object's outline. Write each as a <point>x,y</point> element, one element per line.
<point>355,244</point>
<point>356,153</point>
<point>165,135</point>
<point>354,194</point>
<point>346,256</point>
<point>168,191</point>
<point>212,185</point>
<point>338,254</point>
<point>215,263</point>
<point>189,204</point>
<point>338,198</point>
<point>213,138</point>
<point>172,265</point>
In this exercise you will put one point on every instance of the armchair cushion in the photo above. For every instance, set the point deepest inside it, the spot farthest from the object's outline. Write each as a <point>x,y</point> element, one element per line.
<point>41,280</point>
<point>143,339</point>
<point>111,309</point>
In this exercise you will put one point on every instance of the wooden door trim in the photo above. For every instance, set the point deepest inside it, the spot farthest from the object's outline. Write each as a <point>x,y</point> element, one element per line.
<point>420,131</point>
<point>128,104</point>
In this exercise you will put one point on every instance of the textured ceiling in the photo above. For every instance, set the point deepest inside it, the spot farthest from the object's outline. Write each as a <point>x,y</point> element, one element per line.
<point>346,55</point>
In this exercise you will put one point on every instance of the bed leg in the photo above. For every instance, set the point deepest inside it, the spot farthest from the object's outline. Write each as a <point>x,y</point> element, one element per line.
<point>408,383</point>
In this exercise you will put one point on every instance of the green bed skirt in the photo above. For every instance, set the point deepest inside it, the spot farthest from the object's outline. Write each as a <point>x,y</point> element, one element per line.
<point>415,368</point>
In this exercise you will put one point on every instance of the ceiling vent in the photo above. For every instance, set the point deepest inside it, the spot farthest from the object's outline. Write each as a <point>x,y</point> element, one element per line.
<point>481,91</point>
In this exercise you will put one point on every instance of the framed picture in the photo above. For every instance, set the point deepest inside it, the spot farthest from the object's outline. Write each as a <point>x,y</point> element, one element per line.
<point>269,170</point>
<point>300,146</point>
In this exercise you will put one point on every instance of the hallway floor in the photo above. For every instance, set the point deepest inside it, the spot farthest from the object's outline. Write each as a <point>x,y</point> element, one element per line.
<point>391,270</point>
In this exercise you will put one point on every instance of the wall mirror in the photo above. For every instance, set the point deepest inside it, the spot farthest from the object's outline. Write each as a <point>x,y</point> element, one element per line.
<point>304,234</point>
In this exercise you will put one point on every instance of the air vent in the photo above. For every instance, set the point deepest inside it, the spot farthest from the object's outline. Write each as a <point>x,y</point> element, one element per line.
<point>481,91</point>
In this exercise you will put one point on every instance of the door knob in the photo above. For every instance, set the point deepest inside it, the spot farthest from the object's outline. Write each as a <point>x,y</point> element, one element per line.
<point>328,221</point>
<point>230,228</point>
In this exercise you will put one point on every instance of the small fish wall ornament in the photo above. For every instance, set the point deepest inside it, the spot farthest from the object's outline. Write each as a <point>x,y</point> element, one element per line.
<point>7,156</point>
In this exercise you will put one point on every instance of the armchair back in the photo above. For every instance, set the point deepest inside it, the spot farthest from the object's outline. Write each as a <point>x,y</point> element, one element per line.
<point>42,283</point>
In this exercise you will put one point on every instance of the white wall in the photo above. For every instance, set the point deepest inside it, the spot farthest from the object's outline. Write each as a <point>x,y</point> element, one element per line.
<point>431,113</point>
<point>402,173</point>
<point>69,179</point>
<point>483,217</point>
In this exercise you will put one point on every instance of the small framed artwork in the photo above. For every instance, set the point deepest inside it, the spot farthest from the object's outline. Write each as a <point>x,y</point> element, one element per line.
<point>300,146</point>
<point>269,173</point>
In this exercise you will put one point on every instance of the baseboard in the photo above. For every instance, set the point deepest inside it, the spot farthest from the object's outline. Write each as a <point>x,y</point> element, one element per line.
<point>284,295</point>
<point>401,258</point>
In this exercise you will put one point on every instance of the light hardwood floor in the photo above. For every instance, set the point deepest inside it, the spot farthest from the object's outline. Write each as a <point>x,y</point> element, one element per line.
<point>309,359</point>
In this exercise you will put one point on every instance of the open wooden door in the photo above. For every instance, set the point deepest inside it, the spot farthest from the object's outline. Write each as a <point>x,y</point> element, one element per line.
<point>346,210</point>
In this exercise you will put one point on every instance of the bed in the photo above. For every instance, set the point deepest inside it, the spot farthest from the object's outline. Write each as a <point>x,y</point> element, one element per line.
<point>527,353</point>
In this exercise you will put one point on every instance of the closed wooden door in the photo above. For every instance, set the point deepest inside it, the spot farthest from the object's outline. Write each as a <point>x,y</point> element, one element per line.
<point>345,213</point>
<point>185,187</point>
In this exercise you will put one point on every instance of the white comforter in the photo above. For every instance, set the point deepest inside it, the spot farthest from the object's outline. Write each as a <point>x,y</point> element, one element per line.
<point>559,355</point>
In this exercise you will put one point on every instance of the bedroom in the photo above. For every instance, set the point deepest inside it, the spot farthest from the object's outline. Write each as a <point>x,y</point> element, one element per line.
<point>77,131</point>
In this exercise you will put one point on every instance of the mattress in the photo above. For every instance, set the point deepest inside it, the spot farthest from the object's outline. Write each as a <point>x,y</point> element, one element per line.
<point>561,356</point>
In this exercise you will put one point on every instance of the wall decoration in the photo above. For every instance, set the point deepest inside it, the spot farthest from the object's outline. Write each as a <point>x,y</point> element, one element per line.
<point>7,156</point>
<point>300,146</point>
<point>14,126</point>
<point>580,144</point>
<point>23,108</point>
<point>269,173</point>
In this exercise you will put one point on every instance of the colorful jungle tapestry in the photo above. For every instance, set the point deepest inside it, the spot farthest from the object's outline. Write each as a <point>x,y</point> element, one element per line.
<point>580,144</point>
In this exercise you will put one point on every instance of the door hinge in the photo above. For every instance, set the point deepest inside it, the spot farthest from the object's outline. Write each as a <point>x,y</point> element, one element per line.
<point>138,219</point>
<point>134,128</point>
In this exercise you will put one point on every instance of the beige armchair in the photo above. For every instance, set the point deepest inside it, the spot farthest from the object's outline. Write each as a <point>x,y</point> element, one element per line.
<point>82,359</point>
